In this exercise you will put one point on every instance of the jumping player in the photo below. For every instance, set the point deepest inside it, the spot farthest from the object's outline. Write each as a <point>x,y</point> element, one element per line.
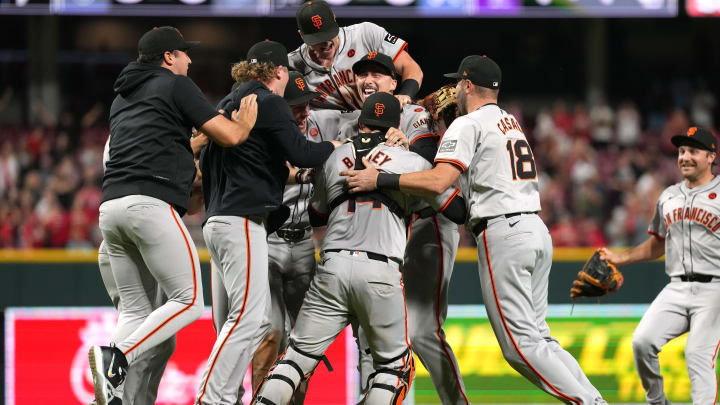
<point>329,52</point>
<point>685,229</point>
<point>146,189</point>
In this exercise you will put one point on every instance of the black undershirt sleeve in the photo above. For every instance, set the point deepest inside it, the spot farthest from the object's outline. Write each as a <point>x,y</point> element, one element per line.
<point>298,150</point>
<point>456,211</point>
<point>425,147</point>
<point>317,219</point>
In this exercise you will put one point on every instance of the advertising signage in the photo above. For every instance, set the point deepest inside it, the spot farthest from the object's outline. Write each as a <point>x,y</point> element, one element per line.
<point>352,8</point>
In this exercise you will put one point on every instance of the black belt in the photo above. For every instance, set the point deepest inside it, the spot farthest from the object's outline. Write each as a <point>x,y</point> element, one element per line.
<point>482,225</point>
<point>370,255</point>
<point>700,278</point>
<point>292,234</point>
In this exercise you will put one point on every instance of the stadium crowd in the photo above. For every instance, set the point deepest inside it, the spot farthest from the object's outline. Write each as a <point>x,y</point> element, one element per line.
<point>599,168</point>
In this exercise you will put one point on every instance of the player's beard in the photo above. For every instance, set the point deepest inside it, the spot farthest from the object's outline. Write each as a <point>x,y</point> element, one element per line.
<point>462,101</point>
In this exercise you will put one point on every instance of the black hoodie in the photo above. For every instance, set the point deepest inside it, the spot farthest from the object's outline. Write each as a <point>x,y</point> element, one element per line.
<point>249,179</point>
<point>150,126</point>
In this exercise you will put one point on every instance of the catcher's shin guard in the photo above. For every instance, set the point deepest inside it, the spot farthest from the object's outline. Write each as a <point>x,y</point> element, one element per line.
<point>295,366</point>
<point>391,382</point>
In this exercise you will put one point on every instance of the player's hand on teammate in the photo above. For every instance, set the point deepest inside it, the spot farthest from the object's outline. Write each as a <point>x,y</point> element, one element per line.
<point>404,99</point>
<point>361,180</point>
<point>248,112</point>
<point>335,142</point>
<point>396,137</point>
<point>198,141</point>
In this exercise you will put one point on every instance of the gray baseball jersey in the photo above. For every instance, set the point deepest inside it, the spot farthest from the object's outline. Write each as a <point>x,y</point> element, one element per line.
<point>414,121</point>
<point>337,84</point>
<point>322,125</point>
<point>499,183</point>
<point>496,161</point>
<point>344,231</point>
<point>692,217</point>
<point>687,219</point>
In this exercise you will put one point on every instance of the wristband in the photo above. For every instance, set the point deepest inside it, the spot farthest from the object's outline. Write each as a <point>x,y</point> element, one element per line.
<point>298,176</point>
<point>388,181</point>
<point>409,87</point>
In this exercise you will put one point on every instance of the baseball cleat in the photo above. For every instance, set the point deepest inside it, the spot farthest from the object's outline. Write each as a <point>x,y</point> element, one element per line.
<point>108,367</point>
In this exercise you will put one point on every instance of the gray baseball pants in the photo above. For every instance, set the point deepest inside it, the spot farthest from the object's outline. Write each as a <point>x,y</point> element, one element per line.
<point>145,240</point>
<point>143,378</point>
<point>514,260</point>
<point>291,268</point>
<point>681,307</point>
<point>348,285</point>
<point>429,260</point>
<point>238,247</point>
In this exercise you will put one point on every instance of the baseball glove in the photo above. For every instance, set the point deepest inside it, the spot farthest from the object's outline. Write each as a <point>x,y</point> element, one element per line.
<point>439,100</point>
<point>597,278</point>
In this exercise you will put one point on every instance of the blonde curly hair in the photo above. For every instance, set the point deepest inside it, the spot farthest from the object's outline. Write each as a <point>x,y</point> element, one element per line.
<point>245,71</point>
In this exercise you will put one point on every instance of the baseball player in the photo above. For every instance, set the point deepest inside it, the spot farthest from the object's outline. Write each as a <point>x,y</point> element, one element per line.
<point>431,247</point>
<point>359,276</point>
<point>243,189</point>
<point>143,378</point>
<point>328,53</point>
<point>291,248</point>
<point>374,73</point>
<point>684,229</point>
<point>146,189</point>
<point>488,151</point>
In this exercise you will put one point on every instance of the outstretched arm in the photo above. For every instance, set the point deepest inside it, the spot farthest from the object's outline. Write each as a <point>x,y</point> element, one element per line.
<point>651,249</point>
<point>427,182</point>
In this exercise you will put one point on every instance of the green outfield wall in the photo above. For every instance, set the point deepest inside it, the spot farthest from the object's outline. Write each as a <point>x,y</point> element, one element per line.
<point>71,278</point>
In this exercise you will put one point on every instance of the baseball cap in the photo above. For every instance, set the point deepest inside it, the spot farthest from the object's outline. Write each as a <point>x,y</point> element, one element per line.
<point>296,91</point>
<point>162,39</point>
<point>697,137</point>
<point>381,110</point>
<point>268,51</point>
<point>316,22</point>
<point>480,70</point>
<point>376,58</point>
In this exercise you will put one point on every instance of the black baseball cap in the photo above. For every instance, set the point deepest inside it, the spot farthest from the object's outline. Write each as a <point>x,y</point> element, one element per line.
<point>480,70</point>
<point>376,58</point>
<point>297,91</point>
<point>697,137</point>
<point>268,51</point>
<point>162,39</point>
<point>316,22</point>
<point>381,110</point>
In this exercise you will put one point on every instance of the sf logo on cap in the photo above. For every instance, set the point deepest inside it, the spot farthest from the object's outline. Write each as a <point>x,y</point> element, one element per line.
<point>300,83</point>
<point>372,55</point>
<point>691,131</point>
<point>316,21</point>
<point>379,109</point>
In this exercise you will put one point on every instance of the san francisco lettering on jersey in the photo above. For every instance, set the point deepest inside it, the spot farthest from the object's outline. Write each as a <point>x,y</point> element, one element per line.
<point>699,215</point>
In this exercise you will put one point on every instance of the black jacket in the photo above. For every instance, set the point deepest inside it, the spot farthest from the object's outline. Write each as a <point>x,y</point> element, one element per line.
<point>249,179</point>
<point>150,122</point>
